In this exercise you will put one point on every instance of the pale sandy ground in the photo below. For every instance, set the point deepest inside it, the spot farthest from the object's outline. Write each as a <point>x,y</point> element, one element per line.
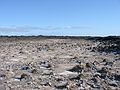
<point>56,64</point>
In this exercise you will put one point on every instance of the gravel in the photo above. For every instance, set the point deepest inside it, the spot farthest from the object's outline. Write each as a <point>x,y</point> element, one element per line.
<point>59,63</point>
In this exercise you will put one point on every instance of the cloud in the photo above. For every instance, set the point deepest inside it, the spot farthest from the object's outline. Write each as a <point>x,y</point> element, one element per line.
<point>58,28</point>
<point>12,29</point>
<point>47,28</point>
<point>77,27</point>
<point>42,28</point>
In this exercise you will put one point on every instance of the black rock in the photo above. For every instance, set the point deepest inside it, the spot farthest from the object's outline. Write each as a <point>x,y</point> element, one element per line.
<point>117,77</point>
<point>25,77</point>
<point>78,61</point>
<point>113,83</point>
<point>94,80</point>
<point>79,83</point>
<point>25,68</point>
<point>103,76</point>
<point>45,83</point>
<point>95,86</point>
<point>45,64</point>
<point>76,68</point>
<point>74,77</point>
<point>34,71</point>
<point>104,70</point>
<point>89,65</point>
<point>109,63</point>
<point>104,60</point>
<point>2,76</point>
<point>61,85</point>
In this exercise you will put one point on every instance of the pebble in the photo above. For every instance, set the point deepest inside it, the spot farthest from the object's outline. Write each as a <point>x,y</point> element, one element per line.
<point>74,77</point>
<point>117,77</point>
<point>61,85</point>
<point>47,72</point>
<point>45,64</point>
<point>2,76</point>
<point>22,77</point>
<point>45,83</point>
<point>25,68</point>
<point>113,83</point>
<point>77,68</point>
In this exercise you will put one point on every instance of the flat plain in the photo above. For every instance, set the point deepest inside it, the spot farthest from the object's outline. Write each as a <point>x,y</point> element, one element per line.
<point>59,63</point>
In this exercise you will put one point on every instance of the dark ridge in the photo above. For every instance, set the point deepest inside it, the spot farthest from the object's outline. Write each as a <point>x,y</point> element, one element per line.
<point>51,37</point>
<point>40,37</point>
<point>103,40</point>
<point>110,44</point>
<point>67,37</point>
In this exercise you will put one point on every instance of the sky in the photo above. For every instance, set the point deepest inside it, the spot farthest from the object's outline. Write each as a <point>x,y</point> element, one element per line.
<point>60,17</point>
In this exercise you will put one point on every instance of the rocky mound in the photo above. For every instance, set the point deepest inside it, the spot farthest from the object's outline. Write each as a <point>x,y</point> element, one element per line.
<point>108,44</point>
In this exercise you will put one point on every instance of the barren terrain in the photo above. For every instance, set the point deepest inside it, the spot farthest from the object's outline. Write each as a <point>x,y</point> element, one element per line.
<point>59,63</point>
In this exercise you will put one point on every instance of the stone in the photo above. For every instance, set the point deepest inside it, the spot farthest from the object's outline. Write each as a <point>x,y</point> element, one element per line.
<point>103,70</point>
<point>88,65</point>
<point>109,63</point>
<point>97,74</point>
<point>61,85</point>
<point>80,82</point>
<point>113,83</point>
<point>95,86</point>
<point>59,78</point>
<point>45,83</point>
<point>68,73</point>
<point>78,61</point>
<point>45,64</point>
<point>25,68</point>
<point>2,76</point>
<point>94,80</point>
<point>117,77</point>
<point>47,72</point>
<point>34,71</point>
<point>77,68</point>
<point>24,77</point>
<point>74,77</point>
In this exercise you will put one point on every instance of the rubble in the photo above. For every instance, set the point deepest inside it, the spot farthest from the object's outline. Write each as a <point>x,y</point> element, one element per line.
<point>59,63</point>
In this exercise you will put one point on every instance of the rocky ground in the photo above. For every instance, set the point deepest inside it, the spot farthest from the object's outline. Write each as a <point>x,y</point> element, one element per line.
<point>59,63</point>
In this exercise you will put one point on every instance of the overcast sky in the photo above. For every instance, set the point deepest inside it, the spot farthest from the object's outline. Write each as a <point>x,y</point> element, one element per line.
<point>60,17</point>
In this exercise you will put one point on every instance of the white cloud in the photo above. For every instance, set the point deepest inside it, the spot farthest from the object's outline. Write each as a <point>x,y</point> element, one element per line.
<point>47,28</point>
<point>12,29</point>
<point>77,27</point>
